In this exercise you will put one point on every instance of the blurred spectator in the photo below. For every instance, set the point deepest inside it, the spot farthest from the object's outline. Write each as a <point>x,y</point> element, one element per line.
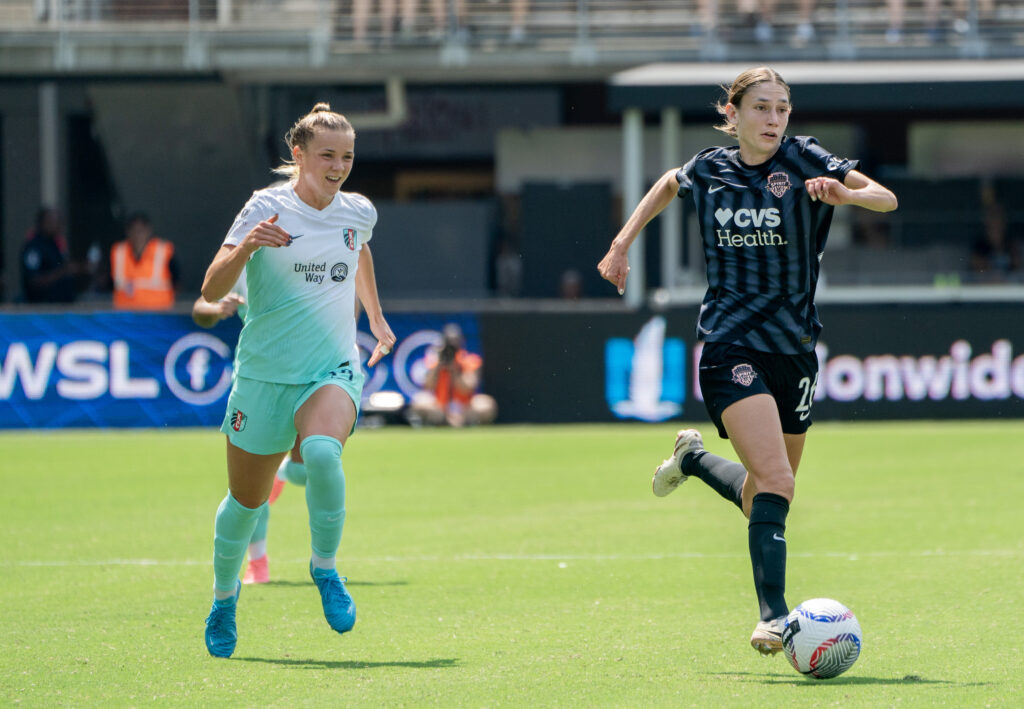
<point>517,28</point>
<point>871,230</point>
<point>439,11</point>
<point>48,274</point>
<point>508,270</point>
<point>570,285</point>
<point>933,29</point>
<point>804,32</point>
<point>994,256</point>
<point>143,268</point>
<point>754,14</point>
<point>450,392</point>
<point>361,18</point>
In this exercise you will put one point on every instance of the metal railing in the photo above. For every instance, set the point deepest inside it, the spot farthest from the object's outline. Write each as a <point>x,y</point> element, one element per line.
<point>847,27</point>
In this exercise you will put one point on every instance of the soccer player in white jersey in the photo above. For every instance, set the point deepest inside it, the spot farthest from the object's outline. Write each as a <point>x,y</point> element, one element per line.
<point>207,315</point>
<point>764,207</point>
<point>303,246</point>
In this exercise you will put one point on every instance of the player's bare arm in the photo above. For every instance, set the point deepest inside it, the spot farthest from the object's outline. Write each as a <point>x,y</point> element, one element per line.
<point>857,189</point>
<point>615,265</point>
<point>206,314</point>
<point>229,262</point>
<point>366,291</point>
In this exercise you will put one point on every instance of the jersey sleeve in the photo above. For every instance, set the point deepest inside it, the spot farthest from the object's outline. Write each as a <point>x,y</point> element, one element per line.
<point>820,162</point>
<point>368,212</point>
<point>255,210</point>
<point>687,173</point>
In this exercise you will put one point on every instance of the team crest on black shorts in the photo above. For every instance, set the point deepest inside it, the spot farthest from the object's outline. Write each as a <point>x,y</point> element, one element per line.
<point>743,374</point>
<point>238,420</point>
<point>778,183</point>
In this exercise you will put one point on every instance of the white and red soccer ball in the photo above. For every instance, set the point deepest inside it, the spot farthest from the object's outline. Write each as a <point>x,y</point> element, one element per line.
<point>821,638</point>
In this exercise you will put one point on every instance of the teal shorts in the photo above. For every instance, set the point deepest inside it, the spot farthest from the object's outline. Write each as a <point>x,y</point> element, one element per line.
<point>260,417</point>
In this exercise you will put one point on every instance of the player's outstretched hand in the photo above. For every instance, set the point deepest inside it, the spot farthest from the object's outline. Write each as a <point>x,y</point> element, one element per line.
<point>385,340</point>
<point>266,233</point>
<point>614,268</point>
<point>228,305</point>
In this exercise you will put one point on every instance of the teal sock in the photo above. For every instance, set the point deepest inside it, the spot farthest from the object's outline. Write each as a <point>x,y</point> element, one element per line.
<point>259,534</point>
<point>232,531</point>
<point>325,493</point>
<point>292,472</point>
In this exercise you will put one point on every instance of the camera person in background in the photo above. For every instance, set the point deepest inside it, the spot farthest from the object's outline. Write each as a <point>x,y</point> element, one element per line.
<point>449,394</point>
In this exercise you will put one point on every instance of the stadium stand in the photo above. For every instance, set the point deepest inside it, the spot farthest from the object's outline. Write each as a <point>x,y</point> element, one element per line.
<point>86,83</point>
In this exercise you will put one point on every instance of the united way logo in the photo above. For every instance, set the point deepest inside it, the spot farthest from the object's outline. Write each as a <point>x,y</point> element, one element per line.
<point>743,374</point>
<point>644,376</point>
<point>350,238</point>
<point>778,183</point>
<point>339,272</point>
<point>238,420</point>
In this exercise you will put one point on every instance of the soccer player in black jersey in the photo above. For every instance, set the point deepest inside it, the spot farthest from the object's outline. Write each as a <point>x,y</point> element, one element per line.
<point>764,208</point>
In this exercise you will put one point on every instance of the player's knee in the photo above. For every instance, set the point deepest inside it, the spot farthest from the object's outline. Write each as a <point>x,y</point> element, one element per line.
<point>320,452</point>
<point>778,480</point>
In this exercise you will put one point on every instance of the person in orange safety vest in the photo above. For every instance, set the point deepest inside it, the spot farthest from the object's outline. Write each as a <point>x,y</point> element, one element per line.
<point>143,268</point>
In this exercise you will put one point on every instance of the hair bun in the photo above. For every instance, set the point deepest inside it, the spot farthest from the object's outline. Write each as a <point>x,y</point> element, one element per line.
<point>322,106</point>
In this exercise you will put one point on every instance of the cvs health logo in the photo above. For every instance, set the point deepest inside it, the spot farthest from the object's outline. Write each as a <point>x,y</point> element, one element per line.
<point>748,217</point>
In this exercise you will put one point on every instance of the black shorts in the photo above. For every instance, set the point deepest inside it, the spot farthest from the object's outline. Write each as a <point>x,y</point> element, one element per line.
<point>729,373</point>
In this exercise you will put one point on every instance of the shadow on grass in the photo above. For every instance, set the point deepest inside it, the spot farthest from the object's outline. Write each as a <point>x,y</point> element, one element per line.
<point>438,663</point>
<point>843,680</point>
<point>308,582</point>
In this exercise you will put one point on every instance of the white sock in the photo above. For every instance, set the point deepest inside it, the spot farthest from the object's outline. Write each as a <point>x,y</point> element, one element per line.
<point>320,562</point>
<point>257,550</point>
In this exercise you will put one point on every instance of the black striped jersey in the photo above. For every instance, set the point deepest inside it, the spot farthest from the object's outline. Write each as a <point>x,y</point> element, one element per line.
<point>763,241</point>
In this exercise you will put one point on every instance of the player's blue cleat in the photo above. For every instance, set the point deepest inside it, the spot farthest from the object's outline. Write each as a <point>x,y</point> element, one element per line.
<point>339,608</point>
<point>221,635</point>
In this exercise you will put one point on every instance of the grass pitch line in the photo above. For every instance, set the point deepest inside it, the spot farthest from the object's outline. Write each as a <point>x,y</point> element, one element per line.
<point>851,556</point>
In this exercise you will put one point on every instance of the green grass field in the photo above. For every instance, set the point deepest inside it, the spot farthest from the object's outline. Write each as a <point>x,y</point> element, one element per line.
<point>513,567</point>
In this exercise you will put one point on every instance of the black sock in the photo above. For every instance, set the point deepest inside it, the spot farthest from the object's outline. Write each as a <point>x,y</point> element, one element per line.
<point>724,476</point>
<point>768,552</point>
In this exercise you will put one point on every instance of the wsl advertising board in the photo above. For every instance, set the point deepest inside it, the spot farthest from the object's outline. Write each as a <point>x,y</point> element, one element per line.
<point>151,370</point>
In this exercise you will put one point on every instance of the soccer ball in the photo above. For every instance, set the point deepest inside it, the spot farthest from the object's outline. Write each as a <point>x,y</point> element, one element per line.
<point>821,638</point>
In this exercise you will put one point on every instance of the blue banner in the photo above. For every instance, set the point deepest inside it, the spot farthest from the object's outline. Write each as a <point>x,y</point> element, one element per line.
<point>146,370</point>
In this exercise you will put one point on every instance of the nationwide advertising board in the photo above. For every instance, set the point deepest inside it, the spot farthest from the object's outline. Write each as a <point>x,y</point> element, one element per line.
<point>951,360</point>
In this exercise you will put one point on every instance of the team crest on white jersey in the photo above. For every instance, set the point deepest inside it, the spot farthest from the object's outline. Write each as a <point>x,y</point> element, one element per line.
<point>743,374</point>
<point>778,183</point>
<point>350,238</point>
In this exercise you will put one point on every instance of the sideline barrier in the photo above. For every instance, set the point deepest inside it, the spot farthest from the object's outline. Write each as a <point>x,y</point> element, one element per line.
<point>153,370</point>
<point>878,361</point>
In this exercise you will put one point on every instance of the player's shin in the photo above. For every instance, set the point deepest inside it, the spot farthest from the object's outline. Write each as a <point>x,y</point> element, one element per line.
<point>768,552</point>
<point>722,475</point>
<point>232,531</point>
<point>325,497</point>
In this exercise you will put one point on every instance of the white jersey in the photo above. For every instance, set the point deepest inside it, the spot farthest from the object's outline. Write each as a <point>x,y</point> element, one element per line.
<point>300,322</point>
<point>241,288</point>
